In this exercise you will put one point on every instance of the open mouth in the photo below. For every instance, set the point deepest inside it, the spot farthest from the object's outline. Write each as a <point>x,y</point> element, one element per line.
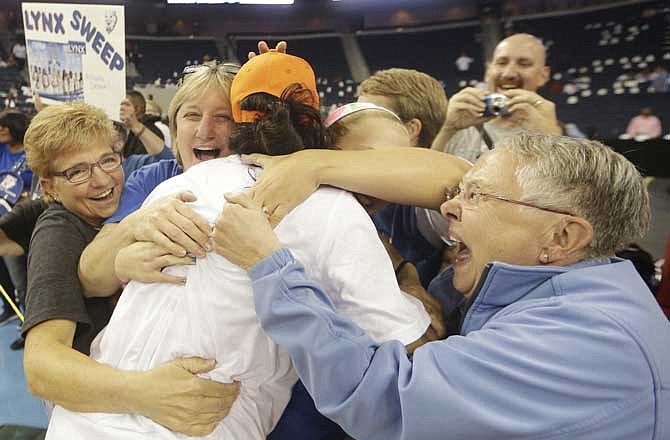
<point>463,252</point>
<point>102,197</point>
<point>203,154</point>
<point>509,86</point>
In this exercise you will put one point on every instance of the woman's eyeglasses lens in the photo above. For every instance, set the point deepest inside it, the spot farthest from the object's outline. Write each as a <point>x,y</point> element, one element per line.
<point>81,173</point>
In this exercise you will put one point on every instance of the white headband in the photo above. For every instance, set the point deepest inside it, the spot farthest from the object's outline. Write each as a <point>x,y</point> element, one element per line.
<point>354,107</point>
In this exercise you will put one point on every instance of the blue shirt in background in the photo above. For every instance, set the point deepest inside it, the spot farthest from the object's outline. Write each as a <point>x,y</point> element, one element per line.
<point>8,160</point>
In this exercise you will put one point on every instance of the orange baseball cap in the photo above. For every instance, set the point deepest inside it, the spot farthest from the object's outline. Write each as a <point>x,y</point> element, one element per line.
<point>270,73</point>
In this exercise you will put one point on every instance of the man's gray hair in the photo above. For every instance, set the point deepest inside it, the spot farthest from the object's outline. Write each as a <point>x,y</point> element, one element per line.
<point>588,179</point>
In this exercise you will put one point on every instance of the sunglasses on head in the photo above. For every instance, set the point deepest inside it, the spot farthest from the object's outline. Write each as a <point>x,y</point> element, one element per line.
<point>226,68</point>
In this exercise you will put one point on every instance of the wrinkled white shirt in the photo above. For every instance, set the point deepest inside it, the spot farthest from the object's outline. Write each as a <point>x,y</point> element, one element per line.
<point>213,315</point>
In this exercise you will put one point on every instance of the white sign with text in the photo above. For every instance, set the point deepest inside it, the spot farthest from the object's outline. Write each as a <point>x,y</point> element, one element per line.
<point>76,52</point>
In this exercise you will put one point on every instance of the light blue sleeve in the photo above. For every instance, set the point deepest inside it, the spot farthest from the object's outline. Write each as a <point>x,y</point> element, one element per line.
<point>356,383</point>
<point>502,381</point>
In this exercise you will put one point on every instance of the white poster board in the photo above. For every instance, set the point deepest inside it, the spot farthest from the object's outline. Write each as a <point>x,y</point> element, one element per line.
<point>76,52</point>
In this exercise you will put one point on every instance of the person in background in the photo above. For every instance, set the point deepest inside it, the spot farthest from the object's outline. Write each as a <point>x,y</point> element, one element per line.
<point>645,125</point>
<point>133,116</point>
<point>15,183</point>
<point>16,228</point>
<point>517,70</point>
<point>659,80</point>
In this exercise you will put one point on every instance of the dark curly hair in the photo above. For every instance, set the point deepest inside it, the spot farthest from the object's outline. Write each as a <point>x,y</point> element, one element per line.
<point>288,124</point>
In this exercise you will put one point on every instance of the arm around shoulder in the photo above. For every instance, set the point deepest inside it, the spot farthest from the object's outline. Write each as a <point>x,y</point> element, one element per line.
<point>408,176</point>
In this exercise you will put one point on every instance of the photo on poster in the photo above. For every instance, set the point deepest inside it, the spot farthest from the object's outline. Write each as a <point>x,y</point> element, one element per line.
<point>56,70</point>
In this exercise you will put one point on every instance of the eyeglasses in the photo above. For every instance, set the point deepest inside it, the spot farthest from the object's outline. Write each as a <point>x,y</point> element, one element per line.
<point>227,68</point>
<point>473,197</point>
<point>81,172</point>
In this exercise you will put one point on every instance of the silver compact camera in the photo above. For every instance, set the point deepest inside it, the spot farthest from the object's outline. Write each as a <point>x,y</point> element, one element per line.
<point>496,104</point>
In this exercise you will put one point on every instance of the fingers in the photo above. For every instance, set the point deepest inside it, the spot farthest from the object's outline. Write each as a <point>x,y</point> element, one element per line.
<point>243,199</point>
<point>520,107</point>
<point>210,388</point>
<point>175,227</point>
<point>251,54</point>
<point>159,238</point>
<point>281,47</point>
<point>189,232</point>
<point>471,99</point>
<point>276,217</point>
<point>179,235</point>
<point>470,92</point>
<point>474,108</point>
<point>186,196</point>
<point>256,159</point>
<point>195,365</point>
<point>172,260</point>
<point>263,47</point>
<point>144,261</point>
<point>160,277</point>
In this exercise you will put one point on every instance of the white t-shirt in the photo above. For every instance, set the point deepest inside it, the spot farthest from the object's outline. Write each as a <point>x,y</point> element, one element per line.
<point>213,315</point>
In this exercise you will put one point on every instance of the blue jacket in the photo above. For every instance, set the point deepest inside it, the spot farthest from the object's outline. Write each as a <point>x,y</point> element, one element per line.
<point>578,352</point>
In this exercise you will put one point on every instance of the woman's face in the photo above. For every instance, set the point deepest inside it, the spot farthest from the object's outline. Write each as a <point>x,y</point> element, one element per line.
<point>204,125</point>
<point>493,230</point>
<point>95,199</point>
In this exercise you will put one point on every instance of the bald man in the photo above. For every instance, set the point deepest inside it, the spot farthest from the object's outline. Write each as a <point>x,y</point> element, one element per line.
<point>518,68</point>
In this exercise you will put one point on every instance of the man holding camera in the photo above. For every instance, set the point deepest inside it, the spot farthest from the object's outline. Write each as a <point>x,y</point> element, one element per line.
<point>477,119</point>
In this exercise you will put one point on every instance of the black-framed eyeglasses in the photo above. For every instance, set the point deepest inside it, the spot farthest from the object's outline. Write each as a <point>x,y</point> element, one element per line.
<point>81,172</point>
<point>473,197</point>
<point>227,68</point>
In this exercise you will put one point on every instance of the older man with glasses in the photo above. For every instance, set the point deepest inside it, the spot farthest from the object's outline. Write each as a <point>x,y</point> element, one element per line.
<point>559,339</point>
